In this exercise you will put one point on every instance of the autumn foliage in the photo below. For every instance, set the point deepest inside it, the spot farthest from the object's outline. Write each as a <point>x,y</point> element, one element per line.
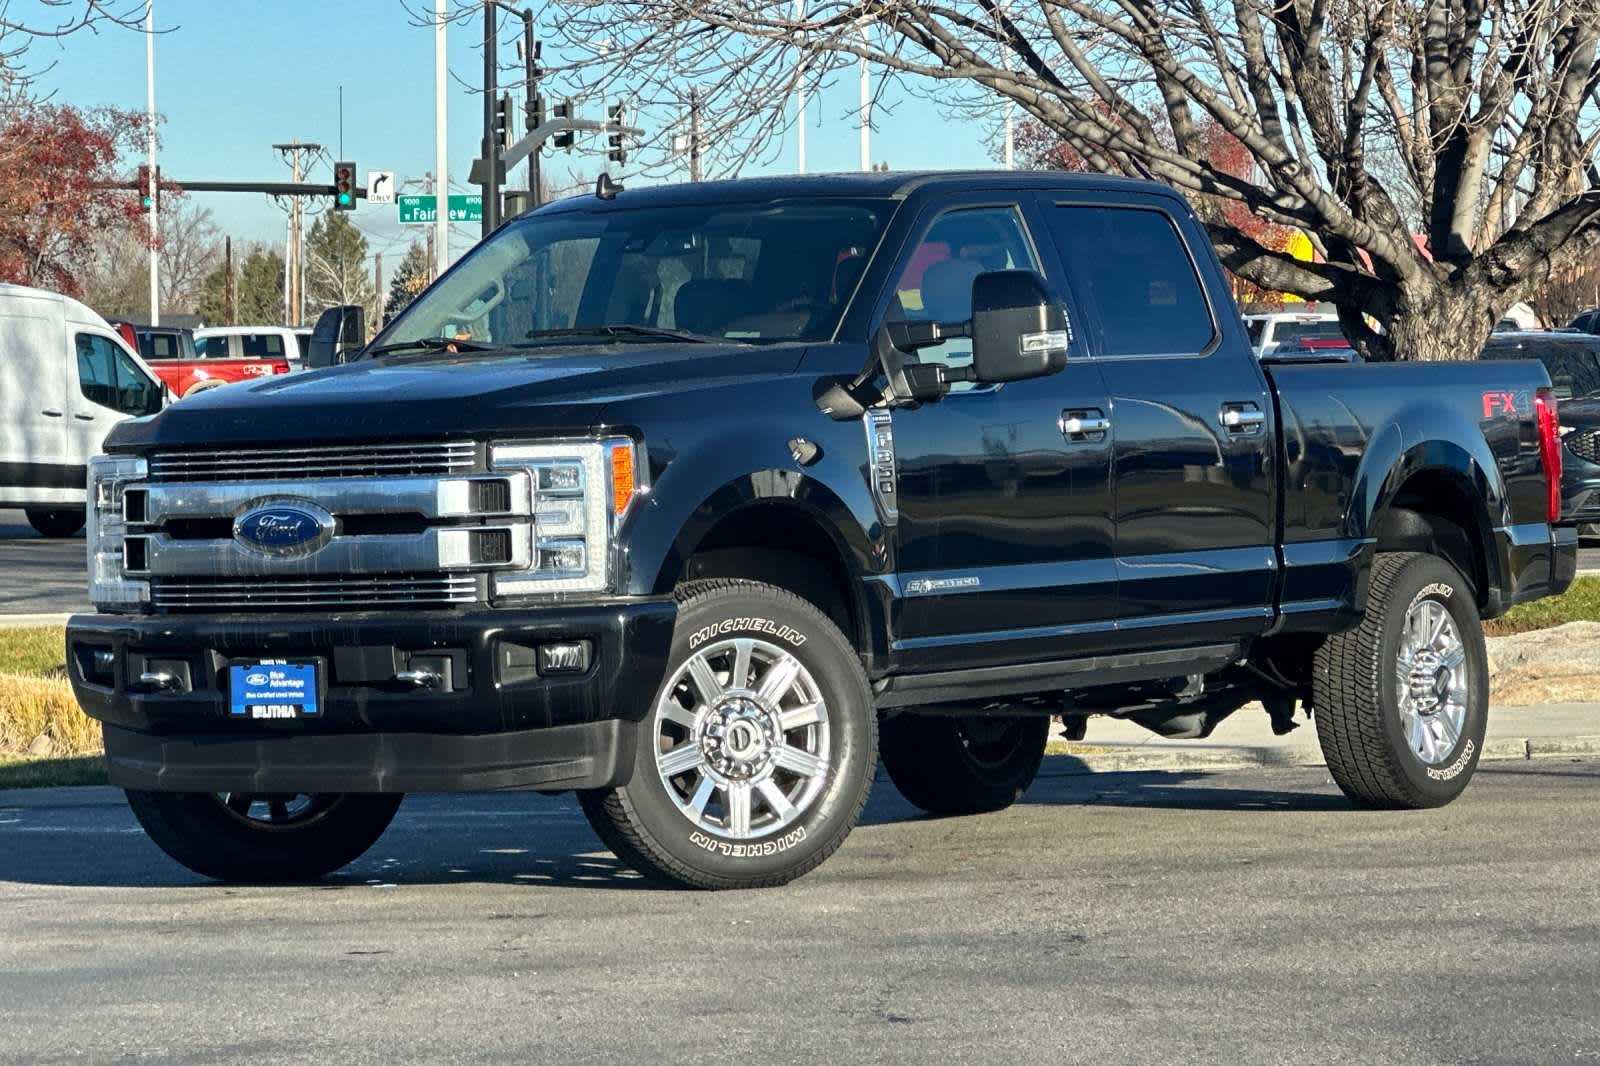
<point>54,158</point>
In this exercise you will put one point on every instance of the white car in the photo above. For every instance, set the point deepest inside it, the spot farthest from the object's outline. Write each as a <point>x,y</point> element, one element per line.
<point>1269,332</point>
<point>253,342</point>
<point>65,379</point>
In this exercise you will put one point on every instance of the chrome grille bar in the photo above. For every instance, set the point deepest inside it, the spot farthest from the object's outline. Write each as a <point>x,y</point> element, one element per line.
<point>405,590</point>
<point>424,496</point>
<point>421,458</point>
<point>436,548</point>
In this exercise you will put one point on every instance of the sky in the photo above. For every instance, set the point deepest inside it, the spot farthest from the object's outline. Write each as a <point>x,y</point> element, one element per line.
<point>234,77</point>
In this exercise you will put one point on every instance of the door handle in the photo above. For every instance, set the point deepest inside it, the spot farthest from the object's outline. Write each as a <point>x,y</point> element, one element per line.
<point>51,414</point>
<point>84,418</point>
<point>1084,423</point>
<point>1242,418</point>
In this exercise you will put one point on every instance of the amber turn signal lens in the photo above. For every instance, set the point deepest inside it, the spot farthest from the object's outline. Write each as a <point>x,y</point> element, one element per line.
<point>623,480</point>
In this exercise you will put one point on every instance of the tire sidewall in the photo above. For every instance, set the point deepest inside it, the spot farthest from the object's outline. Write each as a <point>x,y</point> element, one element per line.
<point>810,637</point>
<point>1431,579</point>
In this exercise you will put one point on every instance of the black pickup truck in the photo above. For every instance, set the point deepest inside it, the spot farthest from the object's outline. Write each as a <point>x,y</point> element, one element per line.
<point>698,499</point>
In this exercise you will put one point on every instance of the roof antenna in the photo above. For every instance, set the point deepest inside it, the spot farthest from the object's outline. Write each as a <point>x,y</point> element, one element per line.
<point>605,188</point>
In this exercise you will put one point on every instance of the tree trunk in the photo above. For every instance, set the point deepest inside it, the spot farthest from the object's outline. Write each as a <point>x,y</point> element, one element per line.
<point>1446,323</point>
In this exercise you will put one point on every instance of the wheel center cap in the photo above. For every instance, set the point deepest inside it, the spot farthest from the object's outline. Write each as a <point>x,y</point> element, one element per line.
<point>739,738</point>
<point>1428,681</point>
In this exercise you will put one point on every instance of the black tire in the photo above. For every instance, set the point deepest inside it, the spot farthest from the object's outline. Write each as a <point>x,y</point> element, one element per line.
<point>643,822</point>
<point>949,765</point>
<point>55,522</point>
<point>1357,699</point>
<point>202,832</point>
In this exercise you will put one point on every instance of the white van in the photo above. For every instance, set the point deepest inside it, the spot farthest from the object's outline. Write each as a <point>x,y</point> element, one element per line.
<point>65,379</point>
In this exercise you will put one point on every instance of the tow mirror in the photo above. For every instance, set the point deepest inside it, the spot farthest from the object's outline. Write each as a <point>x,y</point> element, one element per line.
<point>337,336</point>
<point>1017,331</point>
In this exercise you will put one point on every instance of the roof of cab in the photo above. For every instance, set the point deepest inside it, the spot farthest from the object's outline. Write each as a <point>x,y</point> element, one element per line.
<point>70,309</point>
<point>857,185</point>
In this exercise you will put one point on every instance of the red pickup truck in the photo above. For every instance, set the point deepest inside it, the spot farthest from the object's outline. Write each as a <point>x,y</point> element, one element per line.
<point>170,352</point>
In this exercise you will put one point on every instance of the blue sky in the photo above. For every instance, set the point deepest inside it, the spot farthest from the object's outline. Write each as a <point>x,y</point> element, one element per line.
<point>235,76</point>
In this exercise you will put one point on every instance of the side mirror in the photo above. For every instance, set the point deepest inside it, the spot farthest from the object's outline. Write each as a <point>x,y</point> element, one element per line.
<point>1018,332</point>
<point>337,336</point>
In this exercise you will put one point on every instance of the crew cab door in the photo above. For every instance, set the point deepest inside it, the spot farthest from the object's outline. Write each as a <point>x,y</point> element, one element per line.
<point>1004,534</point>
<point>1191,419</point>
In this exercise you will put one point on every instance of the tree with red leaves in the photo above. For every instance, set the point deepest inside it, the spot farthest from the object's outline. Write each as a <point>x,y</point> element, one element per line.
<point>54,161</point>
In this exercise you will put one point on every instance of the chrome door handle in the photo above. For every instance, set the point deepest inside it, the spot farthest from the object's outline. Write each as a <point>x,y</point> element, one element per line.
<point>1242,417</point>
<point>1082,422</point>
<point>418,679</point>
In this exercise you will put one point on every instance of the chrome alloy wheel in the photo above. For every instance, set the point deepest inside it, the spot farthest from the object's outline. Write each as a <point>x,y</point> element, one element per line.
<point>741,733</point>
<point>1431,678</point>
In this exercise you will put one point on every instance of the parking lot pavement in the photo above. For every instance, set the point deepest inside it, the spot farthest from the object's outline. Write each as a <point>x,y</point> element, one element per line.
<point>1238,917</point>
<point>39,576</point>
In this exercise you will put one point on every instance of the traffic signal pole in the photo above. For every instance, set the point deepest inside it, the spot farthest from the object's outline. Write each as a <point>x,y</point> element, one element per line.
<point>491,143</point>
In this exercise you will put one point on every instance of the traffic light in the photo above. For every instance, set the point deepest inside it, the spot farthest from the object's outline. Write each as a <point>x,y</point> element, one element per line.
<point>344,186</point>
<point>147,201</point>
<point>535,114</point>
<point>616,152</point>
<point>502,121</point>
<point>564,138</point>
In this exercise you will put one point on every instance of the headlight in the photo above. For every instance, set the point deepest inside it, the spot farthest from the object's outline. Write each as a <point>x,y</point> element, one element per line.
<point>108,588</point>
<point>581,491</point>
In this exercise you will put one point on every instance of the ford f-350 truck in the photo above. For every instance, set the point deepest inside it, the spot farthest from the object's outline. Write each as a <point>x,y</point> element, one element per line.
<point>698,499</point>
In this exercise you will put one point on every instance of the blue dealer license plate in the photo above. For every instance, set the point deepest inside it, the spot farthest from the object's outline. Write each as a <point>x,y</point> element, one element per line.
<point>273,688</point>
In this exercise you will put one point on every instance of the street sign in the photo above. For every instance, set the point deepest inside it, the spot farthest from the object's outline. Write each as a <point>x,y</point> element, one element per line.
<point>380,186</point>
<point>421,210</point>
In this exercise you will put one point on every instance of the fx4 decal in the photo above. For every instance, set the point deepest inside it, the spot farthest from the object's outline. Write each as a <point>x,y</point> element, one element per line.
<point>1508,404</point>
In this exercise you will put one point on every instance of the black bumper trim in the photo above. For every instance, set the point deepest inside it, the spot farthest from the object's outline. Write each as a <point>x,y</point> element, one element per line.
<point>590,755</point>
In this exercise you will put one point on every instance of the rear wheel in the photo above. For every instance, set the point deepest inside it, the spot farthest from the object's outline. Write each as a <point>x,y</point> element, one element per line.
<point>55,521</point>
<point>1401,702</point>
<point>969,765</point>
<point>757,755</point>
<point>264,837</point>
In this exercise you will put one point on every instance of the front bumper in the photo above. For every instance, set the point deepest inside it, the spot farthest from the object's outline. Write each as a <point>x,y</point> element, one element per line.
<point>495,723</point>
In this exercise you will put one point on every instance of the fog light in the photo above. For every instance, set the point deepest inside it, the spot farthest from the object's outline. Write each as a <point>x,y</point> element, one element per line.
<point>105,661</point>
<point>571,658</point>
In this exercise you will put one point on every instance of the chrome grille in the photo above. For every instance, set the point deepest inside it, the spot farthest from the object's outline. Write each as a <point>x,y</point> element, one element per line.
<point>406,458</point>
<point>384,591</point>
<point>1585,444</point>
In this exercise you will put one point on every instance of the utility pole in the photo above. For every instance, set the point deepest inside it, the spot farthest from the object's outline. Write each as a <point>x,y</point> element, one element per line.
<point>694,134</point>
<point>230,290</point>
<point>294,253</point>
<point>377,289</point>
<point>150,149</point>
<point>441,148</point>
<point>491,143</point>
<point>532,114</point>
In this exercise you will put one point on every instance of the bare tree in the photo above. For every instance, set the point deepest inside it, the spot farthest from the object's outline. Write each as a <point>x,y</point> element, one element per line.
<point>116,280</point>
<point>21,24</point>
<point>1477,117</point>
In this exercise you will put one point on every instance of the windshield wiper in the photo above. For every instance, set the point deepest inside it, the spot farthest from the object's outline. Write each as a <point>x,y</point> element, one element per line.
<point>431,344</point>
<point>660,333</point>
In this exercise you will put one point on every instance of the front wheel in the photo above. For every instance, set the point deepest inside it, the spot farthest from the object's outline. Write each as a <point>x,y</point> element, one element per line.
<point>263,837</point>
<point>756,757</point>
<point>55,522</point>
<point>965,765</point>
<point>1401,702</point>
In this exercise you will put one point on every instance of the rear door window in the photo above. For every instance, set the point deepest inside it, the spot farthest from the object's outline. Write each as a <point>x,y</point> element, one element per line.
<point>213,347</point>
<point>1135,271</point>
<point>262,345</point>
<point>159,346</point>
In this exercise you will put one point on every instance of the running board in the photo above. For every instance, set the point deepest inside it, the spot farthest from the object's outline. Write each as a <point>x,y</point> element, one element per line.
<point>950,686</point>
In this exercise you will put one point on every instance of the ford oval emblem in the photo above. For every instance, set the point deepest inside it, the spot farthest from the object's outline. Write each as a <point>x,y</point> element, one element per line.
<point>284,527</point>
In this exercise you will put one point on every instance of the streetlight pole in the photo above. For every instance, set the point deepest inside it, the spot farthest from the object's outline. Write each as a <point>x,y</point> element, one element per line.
<point>150,149</point>
<point>491,143</point>
<point>441,146</point>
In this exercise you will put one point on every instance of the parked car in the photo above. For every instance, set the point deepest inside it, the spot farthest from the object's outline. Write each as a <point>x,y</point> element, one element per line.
<point>1573,362</point>
<point>697,498</point>
<point>269,343</point>
<point>66,378</point>
<point>1269,332</point>
<point>1314,350</point>
<point>1587,321</point>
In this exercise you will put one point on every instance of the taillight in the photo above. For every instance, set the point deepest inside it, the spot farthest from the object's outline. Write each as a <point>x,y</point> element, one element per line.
<point>1544,408</point>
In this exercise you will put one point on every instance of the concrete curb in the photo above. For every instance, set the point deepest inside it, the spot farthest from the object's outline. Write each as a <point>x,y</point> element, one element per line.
<point>1248,757</point>
<point>17,621</point>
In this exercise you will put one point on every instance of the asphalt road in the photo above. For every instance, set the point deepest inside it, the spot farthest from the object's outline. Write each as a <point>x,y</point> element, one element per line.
<point>39,576</point>
<point>1235,918</point>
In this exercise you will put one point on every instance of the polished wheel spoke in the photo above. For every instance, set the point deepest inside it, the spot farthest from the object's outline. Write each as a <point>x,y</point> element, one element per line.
<point>1449,732</point>
<point>702,795</point>
<point>738,797</point>
<point>740,677</point>
<point>674,712</point>
<point>1453,656</point>
<point>681,759</point>
<point>780,678</point>
<point>705,679</point>
<point>775,799</point>
<point>801,716</point>
<point>799,761</point>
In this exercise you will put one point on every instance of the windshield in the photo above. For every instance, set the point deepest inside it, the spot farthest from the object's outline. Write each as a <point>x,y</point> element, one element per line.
<point>750,272</point>
<point>1291,333</point>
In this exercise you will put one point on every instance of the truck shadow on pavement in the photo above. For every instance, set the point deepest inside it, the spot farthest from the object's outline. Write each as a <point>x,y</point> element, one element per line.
<point>537,841</point>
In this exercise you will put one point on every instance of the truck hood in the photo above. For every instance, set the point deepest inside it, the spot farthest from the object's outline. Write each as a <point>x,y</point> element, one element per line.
<point>441,394</point>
